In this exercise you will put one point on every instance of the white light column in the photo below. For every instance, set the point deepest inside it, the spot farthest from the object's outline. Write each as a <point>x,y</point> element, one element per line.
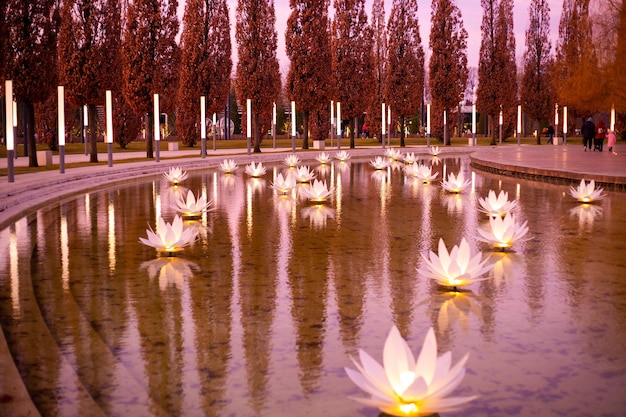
<point>294,120</point>
<point>274,124</point>
<point>339,125</point>
<point>445,127</point>
<point>8,105</point>
<point>500,123</point>
<point>556,125</point>
<point>157,130</point>
<point>389,125</point>
<point>519,124</point>
<point>213,131</point>
<point>428,125</point>
<point>612,124</point>
<point>85,126</point>
<point>109,124</point>
<point>474,124</point>
<point>564,125</point>
<point>203,126</point>
<point>61,127</point>
<point>384,125</point>
<point>249,122</point>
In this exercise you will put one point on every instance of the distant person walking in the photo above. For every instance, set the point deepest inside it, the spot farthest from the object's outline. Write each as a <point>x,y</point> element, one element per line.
<point>550,133</point>
<point>589,133</point>
<point>600,135</point>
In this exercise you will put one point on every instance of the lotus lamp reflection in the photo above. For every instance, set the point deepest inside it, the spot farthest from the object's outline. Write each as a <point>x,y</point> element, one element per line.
<point>317,192</point>
<point>255,170</point>
<point>170,238</point>
<point>292,160</point>
<point>503,232</point>
<point>458,268</point>
<point>285,184</point>
<point>342,156</point>
<point>455,183</point>
<point>175,175</point>
<point>394,154</point>
<point>404,386</point>
<point>434,150</point>
<point>228,166</point>
<point>304,174</point>
<point>318,215</point>
<point>410,158</point>
<point>497,205</point>
<point>192,208</point>
<point>323,158</point>
<point>379,162</point>
<point>587,192</point>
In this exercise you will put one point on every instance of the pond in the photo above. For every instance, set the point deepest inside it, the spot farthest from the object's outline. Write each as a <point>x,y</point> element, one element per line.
<point>260,315</point>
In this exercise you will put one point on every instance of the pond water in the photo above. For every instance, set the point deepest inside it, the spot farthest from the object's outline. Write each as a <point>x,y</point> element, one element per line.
<point>263,312</point>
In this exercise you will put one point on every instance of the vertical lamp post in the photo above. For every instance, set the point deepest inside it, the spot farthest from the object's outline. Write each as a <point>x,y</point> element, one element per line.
<point>8,101</point>
<point>157,130</point>
<point>274,125</point>
<point>428,125</point>
<point>339,125</point>
<point>203,126</point>
<point>293,126</point>
<point>249,122</point>
<point>332,121</point>
<point>384,126</point>
<point>500,123</point>
<point>556,124</point>
<point>85,126</point>
<point>389,125</point>
<point>15,123</point>
<point>564,125</point>
<point>519,124</point>
<point>612,124</point>
<point>61,127</point>
<point>474,124</point>
<point>109,111</point>
<point>213,131</point>
<point>445,127</point>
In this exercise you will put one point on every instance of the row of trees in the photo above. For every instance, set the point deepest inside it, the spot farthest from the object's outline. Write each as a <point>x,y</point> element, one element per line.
<point>131,48</point>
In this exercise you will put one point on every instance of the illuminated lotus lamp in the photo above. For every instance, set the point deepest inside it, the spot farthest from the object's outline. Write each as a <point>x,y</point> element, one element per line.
<point>342,156</point>
<point>455,183</point>
<point>175,175</point>
<point>458,268</point>
<point>292,160</point>
<point>317,192</point>
<point>323,158</point>
<point>228,166</point>
<point>304,174</point>
<point>587,192</point>
<point>497,205</point>
<point>393,154</point>
<point>404,386</point>
<point>255,170</point>
<point>410,158</point>
<point>503,232</point>
<point>434,150</point>
<point>170,238</point>
<point>379,162</point>
<point>424,173</point>
<point>192,208</point>
<point>285,184</point>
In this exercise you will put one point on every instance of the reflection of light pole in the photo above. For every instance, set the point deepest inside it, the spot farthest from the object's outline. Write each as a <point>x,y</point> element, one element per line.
<point>109,110</point>
<point>500,120</point>
<point>157,131</point>
<point>8,98</point>
<point>384,126</point>
<point>203,126</point>
<point>519,124</point>
<point>61,127</point>
<point>564,125</point>
<point>428,125</point>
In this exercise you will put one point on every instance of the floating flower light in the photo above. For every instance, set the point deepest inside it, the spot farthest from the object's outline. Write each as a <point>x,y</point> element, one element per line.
<point>292,160</point>
<point>285,184</point>
<point>410,158</point>
<point>170,238</point>
<point>192,208</point>
<point>393,154</point>
<point>424,173</point>
<point>497,205</point>
<point>455,183</point>
<point>457,268</point>
<point>255,170</point>
<point>175,175</point>
<point>317,192</point>
<point>323,158</point>
<point>434,150</point>
<point>379,162</point>
<point>404,386</point>
<point>503,232</point>
<point>304,174</point>
<point>228,166</point>
<point>587,192</point>
<point>342,156</point>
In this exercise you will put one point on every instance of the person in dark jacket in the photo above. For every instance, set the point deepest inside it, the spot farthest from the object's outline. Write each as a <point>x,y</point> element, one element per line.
<point>588,131</point>
<point>550,133</point>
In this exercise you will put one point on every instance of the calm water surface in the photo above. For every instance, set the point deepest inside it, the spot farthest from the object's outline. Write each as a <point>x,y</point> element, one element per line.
<point>263,312</point>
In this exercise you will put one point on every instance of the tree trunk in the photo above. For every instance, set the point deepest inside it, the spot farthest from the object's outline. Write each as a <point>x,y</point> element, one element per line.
<point>492,129</point>
<point>354,126</point>
<point>256,133</point>
<point>305,134</point>
<point>92,115</point>
<point>29,134</point>
<point>150,135</point>
<point>402,144</point>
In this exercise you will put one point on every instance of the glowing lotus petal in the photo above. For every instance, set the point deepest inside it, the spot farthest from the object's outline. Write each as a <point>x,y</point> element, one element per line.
<point>304,174</point>
<point>317,192</point>
<point>455,269</point>
<point>170,238</point>
<point>342,156</point>
<point>379,162</point>
<point>422,172</point>
<point>394,154</point>
<point>404,386</point>
<point>455,184</point>
<point>292,160</point>
<point>587,192</point>
<point>434,150</point>
<point>228,166</point>
<point>255,170</point>
<point>175,175</point>
<point>323,158</point>
<point>285,184</point>
<point>191,207</point>
<point>410,158</point>
<point>503,232</point>
<point>497,205</point>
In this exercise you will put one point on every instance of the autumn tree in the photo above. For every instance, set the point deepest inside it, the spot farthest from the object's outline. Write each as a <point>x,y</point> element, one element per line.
<point>4,42</point>
<point>205,64</point>
<point>308,80</point>
<point>405,70</point>
<point>508,93</point>
<point>258,77</point>
<point>352,61</point>
<point>616,73</point>
<point>537,96</point>
<point>374,115</point>
<point>31,59</point>
<point>448,62</point>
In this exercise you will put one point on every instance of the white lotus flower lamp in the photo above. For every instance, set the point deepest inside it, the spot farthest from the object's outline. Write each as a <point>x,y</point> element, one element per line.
<point>434,150</point>
<point>458,268</point>
<point>497,205</point>
<point>228,166</point>
<point>455,183</point>
<point>292,160</point>
<point>503,232</point>
<point>317,192</point>
<point>285,184</point>
<point>394,154</point>
<point>410,158</point>
<point>587,192</point>
<point>304,174</point>
<point>192,208</point>
<point>379,162</point>
<point>175,175</point>
<point>342,156</point>
<point>170,238</point>
<point>255,170</point>
<point>323,158</point>
<point>425,173</point>
<point>404,386</point>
